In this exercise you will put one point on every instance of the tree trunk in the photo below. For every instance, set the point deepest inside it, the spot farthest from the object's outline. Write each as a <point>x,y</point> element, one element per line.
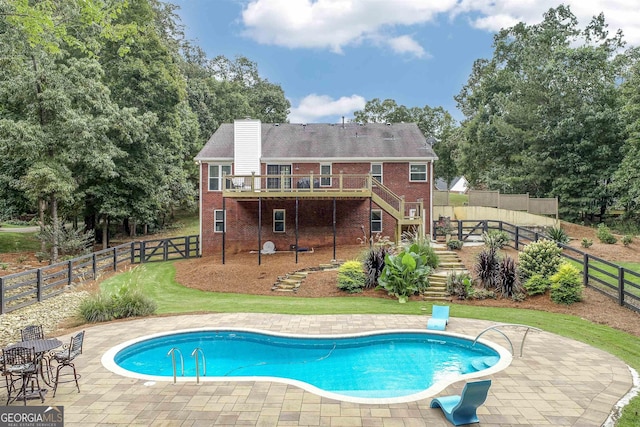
<point>105,232</point>
<point>56,229</point>
<point>41,207</point>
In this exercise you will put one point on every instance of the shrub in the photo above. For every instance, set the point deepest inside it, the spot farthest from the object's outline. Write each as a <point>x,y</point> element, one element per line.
<point>460,285</point>
<point>495,239</point>
<point>404,274</point>
<point>486,268</point>
<point>541,257</point>
<point>351,277</point>
<point>507,281</point>
<point>627,239</point>
<point>537,284</point>
<point>414,242</point>
<point>557,234</point>
<point>484,294</point>
<point>373,265</point>
<point>566,285</point>
<point>586,243</point>
<point>454,244</point>
<point>127,301</point>
<point>604,235</point>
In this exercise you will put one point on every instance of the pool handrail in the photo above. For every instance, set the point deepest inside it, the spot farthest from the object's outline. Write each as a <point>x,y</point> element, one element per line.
<point>194,353</point>
<point>172,352</point>
<point>513,325</point>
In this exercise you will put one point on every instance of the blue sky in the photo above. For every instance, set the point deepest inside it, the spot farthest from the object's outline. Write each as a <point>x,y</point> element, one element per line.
<point>331,56</point>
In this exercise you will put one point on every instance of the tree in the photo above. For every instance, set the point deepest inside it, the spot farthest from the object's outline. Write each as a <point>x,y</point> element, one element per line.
<point>542,115</point>
<point>436,125</point>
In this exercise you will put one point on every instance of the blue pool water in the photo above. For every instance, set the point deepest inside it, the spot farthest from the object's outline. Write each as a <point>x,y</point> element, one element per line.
<point>379,365</point>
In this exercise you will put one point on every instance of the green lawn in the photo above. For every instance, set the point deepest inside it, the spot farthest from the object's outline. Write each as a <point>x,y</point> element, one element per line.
<point>157,280</point>
<point>18,242</point>
<point>456,199</point>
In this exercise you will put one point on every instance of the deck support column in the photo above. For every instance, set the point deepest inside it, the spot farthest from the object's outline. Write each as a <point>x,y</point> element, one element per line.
<point>259,230</point>
<point>224,225</point>
<point>297,199</point>
<point>370,212</point>
<point>334,228</point>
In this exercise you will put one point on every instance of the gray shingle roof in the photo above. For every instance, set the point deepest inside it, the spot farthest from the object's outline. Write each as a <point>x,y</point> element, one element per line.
<point>315,141</point>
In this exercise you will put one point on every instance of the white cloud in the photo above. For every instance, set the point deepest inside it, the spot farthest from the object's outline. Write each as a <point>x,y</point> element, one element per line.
<point>406,44</point>
<point>335,24</point>
<point>492,15</point>
<point>315,108</point>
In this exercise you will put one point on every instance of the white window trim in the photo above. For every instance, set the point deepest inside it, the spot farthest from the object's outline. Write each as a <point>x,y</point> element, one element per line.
<point>426,172</point>
<point>216,221</point>
<point>381,171</point>
<point>377,221</point>
<point>219,176</point>
<point>322,182</point>
<point>284,220</point>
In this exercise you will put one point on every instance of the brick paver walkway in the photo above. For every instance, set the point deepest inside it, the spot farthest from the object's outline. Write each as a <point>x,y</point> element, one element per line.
<point>557,382</point>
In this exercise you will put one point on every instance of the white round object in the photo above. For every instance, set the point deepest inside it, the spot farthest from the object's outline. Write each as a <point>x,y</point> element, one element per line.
<point>268,246</point>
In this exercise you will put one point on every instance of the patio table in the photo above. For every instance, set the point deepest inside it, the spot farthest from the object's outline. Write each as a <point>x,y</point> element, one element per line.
<point>41,348</point>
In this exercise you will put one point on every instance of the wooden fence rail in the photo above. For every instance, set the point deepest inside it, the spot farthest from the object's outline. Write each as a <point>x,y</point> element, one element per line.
<point>29,287</point>
<point>608,278</point>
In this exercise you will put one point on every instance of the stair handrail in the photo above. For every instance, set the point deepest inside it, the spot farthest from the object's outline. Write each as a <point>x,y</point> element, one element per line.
<point>391,198</point>
<point>513,325</point>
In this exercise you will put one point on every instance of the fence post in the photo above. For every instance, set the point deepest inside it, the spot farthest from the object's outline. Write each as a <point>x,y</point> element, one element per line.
<point>115,259</point>
<point>133,252</point>
<point>69,272</point>
<point>517,238</point>
<point>188,246</point>
<point>536,236</point>
<point>143,255</point>
<point>585,270</point>
<point>1,295</point>
<point>165,245</point>
<point>94,265</point>
<point>500,225</point>
<point>459,229</point>
<point>621,285</point>
<point>485,226</point>
<point>39,285</point>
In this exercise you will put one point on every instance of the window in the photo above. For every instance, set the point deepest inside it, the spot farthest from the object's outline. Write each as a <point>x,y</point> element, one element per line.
<point>325,169</point>
<point>279,170</point>
<point>376,171</point>
<point>216,172</point>
<point>279,216</point>
<point>218,221</point>
<point>376,221</point>
<point>418,172</point>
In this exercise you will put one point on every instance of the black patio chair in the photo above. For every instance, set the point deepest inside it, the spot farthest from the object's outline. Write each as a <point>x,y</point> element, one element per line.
<point>20,370</point>
<point>65,358</point>
<point>32,332</point>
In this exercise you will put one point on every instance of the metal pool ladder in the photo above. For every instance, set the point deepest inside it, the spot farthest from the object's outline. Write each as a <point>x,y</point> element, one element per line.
<point>512,325</point>
<point>172,353</point>
<point>195,353</point>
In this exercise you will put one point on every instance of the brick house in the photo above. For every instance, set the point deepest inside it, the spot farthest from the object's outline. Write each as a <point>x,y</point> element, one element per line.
<point>311,185</point>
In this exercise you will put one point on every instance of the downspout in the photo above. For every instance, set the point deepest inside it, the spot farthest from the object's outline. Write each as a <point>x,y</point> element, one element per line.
<point>199,163</point>
<point>424,217</point>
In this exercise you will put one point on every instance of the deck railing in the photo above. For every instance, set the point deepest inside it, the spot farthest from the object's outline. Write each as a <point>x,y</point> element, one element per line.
<point>299,183</point>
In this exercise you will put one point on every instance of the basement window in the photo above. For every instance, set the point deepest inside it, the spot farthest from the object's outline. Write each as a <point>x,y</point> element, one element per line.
<point>279,219</point>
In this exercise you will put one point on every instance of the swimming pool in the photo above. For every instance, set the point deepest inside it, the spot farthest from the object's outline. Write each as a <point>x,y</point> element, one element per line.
<point>376,367</point>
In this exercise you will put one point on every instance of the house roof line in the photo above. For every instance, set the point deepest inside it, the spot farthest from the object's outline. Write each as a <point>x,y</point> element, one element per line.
<point>328,160</point>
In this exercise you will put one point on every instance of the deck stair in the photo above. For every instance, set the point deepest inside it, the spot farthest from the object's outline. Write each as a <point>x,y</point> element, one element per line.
<point>449,263</point>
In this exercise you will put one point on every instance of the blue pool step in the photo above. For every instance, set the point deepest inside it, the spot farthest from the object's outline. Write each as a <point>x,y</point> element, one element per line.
<point>484,362</point>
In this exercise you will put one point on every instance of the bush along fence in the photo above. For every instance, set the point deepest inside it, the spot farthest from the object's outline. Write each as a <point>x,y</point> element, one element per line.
<point>610,279</point>
<point>29,287</point>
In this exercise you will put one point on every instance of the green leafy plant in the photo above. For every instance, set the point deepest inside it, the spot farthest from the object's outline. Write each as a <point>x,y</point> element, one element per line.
<point>454,244</point>
<point>541,257</point>
<point>557,234</point>
<point>373,264</point>
<point>483,294</point>
<point>537,284</point>
<point>508,281</point>
<point>460,285</point>
<point>604,234</point>
<point>566,285</point>
<point>412,241</point>
<point>586,243</point>
<point>627,239</point>
<point>495,239</point>
<point>351,277</point>
<point>486,268</point>
<point>405,274</point>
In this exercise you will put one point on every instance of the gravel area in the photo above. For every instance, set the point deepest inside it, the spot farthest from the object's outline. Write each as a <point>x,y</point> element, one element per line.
<point>49,313</point>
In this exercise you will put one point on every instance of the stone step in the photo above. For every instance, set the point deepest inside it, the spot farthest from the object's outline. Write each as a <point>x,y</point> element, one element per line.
<point>298,276</point>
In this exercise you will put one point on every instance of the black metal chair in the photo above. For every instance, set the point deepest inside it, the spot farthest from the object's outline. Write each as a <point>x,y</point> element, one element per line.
<point>32,332</point>
<point>20,369</point>
<point>65,358</point>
